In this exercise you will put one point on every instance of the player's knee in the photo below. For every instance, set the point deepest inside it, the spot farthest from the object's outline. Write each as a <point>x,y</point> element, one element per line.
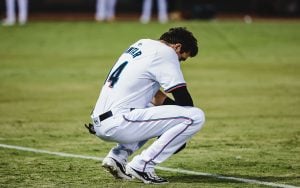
<point>198,117</point>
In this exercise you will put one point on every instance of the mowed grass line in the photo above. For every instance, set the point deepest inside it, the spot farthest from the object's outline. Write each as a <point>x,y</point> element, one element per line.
<point>246,79</point>
<point>179,171</point>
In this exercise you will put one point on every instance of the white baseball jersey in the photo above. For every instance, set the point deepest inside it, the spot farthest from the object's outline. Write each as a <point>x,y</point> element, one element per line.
<point>138,74</point>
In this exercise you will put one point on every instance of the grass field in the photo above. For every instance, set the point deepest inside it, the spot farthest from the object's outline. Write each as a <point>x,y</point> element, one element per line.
<point>246,79</point>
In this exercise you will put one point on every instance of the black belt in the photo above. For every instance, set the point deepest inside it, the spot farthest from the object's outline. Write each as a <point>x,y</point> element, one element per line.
<point>108,114</point>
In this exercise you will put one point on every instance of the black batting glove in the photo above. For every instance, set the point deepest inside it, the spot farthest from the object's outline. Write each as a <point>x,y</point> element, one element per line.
<point>90,128</point>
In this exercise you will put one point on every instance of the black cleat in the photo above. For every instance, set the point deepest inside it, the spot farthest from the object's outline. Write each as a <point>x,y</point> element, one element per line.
<point>116,168</point>
<point>146,177</point>
<point>90,128</point>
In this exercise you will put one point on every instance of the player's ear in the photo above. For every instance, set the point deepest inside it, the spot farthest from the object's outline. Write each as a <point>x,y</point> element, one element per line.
<point>177,47</point>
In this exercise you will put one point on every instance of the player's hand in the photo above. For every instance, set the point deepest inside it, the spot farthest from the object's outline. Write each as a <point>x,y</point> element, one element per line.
<point>90,128</point>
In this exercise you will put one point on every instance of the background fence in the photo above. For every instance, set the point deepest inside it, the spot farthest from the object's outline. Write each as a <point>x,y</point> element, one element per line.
<point>188,8</point>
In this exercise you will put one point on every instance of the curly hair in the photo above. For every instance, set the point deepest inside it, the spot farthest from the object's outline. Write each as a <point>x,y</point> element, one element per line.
<point>184,37</point>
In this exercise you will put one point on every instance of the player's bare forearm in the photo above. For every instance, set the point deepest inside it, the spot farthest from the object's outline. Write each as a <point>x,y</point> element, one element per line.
<point>159,98</point>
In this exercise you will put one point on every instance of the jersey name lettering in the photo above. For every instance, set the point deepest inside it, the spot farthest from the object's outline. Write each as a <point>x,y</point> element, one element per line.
<point>134,52</point>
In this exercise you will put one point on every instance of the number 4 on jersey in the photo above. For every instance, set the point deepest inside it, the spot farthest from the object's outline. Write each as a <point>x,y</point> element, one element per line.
<point>114,77</point>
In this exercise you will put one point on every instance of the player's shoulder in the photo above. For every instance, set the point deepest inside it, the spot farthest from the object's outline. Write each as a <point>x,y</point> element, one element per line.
<point>160,50</point>
<point>155,44</point>
<point>147,43</point>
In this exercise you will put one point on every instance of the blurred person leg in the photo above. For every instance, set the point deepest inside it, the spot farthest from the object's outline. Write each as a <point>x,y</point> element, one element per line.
<point>23,11</point>
<point>101,10</point>
<point>10,13</point>
<point>162,11</point>
<point>146,11</point>
<point>111,6</point>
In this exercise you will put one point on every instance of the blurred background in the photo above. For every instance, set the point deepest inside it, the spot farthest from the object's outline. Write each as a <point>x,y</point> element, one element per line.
<point>178,9</point>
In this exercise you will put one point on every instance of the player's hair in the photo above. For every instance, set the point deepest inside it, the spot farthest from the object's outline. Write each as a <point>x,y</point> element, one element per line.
<point>184,37</point>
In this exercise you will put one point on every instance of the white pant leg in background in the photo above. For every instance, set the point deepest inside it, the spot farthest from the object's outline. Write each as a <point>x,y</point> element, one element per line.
<point>174,124</point>
<point>10,11</point>
<point>111,4</point>
<point>100,10</point>
<point>146,11</point>
<point>23,11</point>
<point>162,11</point>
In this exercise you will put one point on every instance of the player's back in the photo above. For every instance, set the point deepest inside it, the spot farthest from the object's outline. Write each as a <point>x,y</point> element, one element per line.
<point>131,82</point>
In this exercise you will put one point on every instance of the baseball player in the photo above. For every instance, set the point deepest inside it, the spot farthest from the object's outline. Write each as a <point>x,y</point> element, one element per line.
<point>11,14</point>
<point>133,106</point>
<point>162,11</point>
<point>105,10</point>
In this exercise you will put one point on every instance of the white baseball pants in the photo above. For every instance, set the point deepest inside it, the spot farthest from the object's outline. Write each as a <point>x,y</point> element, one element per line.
<point>174,125</point>
<point>105,9</point>
<point>162,11</point>
<point>11,11</point>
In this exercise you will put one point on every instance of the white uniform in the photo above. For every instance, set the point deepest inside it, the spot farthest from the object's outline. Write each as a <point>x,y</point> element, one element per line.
<point>11,12</point>
<point>133,81</point>
<point>105,10</point>
<point>162,11</point>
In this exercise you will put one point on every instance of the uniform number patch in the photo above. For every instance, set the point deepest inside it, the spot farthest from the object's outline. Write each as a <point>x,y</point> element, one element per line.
<point>114,77</point>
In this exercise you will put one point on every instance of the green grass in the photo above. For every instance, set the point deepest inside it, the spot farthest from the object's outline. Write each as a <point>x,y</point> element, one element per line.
<point>246,79</point>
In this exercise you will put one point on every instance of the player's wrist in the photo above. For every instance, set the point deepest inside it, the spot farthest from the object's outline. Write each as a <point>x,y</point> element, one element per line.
<point>168,101</point>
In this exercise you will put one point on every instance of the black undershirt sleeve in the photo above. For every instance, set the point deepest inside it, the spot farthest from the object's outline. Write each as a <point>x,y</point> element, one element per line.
<point>181,96</point>
<point>169,101</point>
